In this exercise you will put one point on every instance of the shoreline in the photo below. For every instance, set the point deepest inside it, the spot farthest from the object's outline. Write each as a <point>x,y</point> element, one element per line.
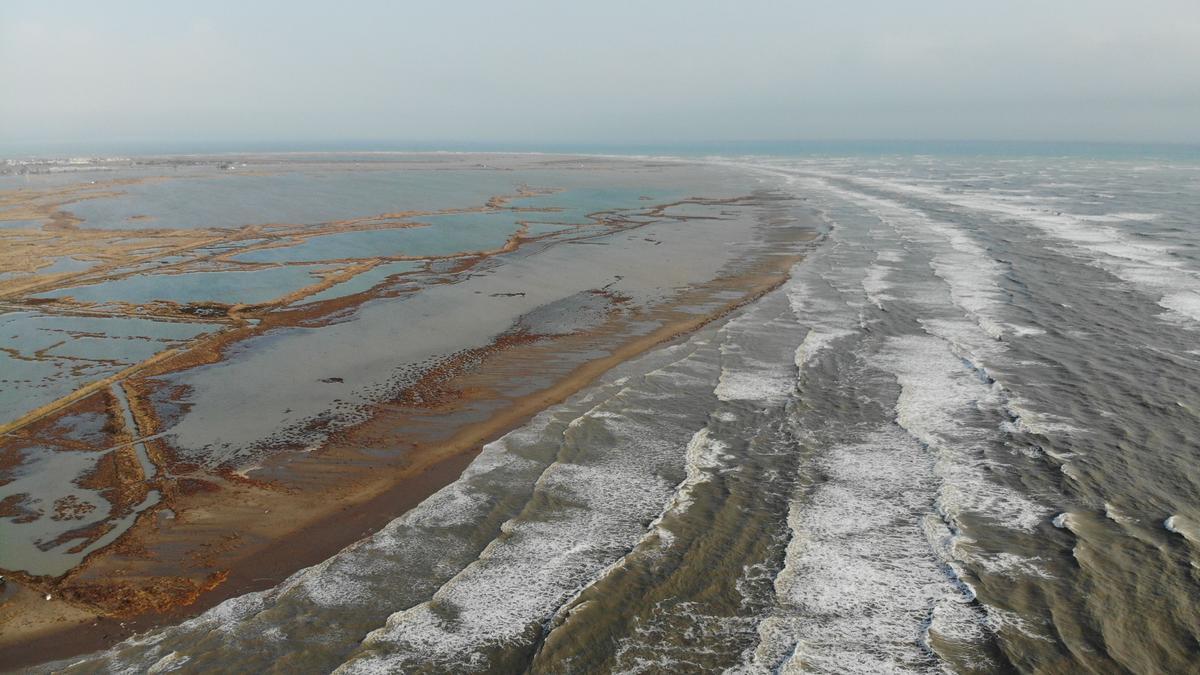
<point>220,531</point>
<point>375,504</point>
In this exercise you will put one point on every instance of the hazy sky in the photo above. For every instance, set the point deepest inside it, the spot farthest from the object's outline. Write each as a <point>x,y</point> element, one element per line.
<point>605,70</point>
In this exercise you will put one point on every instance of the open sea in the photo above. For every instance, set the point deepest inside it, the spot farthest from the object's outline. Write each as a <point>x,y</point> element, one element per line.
<point>964,436</point>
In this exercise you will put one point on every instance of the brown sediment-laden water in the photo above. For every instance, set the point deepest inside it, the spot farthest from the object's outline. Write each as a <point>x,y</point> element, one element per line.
<point>772,415</point>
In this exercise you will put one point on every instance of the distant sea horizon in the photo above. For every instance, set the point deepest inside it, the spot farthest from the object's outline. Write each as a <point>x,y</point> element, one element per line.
<point>781,148</point>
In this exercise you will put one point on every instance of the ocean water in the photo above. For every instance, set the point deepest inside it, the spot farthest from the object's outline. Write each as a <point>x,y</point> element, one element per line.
<point>962,437</point>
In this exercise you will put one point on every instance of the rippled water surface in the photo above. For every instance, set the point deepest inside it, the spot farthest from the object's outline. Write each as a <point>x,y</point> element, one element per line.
<point>962,437</point>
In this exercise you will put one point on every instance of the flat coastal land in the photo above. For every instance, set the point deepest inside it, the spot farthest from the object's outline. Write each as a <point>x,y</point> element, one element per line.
<point>228,383</point>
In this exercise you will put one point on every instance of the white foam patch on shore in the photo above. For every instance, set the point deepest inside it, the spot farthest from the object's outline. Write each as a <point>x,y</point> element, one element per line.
<point>348,579</point>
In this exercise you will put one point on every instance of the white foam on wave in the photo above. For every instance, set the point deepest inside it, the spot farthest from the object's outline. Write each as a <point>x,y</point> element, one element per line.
<point>1182,303</point>
<point>1064,521</point>
<point>670,656</point>
<point>1000,620</point>
<point>1116,516</point>
<point>861,580</point>
<point>168,663</point>
<point>968,342</point>
<point>937,396</point>
<point>875,284</point>
<point>869,564</point>
<point>977,351</point>
<point>764,328</point>
<point>1069,471</point>
<point>1147,265</point>
<point>522,577</point>
<point>817,340</point>
<point>1011,565</point>
<point>970,273</point>
<point>705,455</point>
<point>826,321</point>
<point>1184,527</point>
<point>768,383</point>
<point>1120,217</point>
